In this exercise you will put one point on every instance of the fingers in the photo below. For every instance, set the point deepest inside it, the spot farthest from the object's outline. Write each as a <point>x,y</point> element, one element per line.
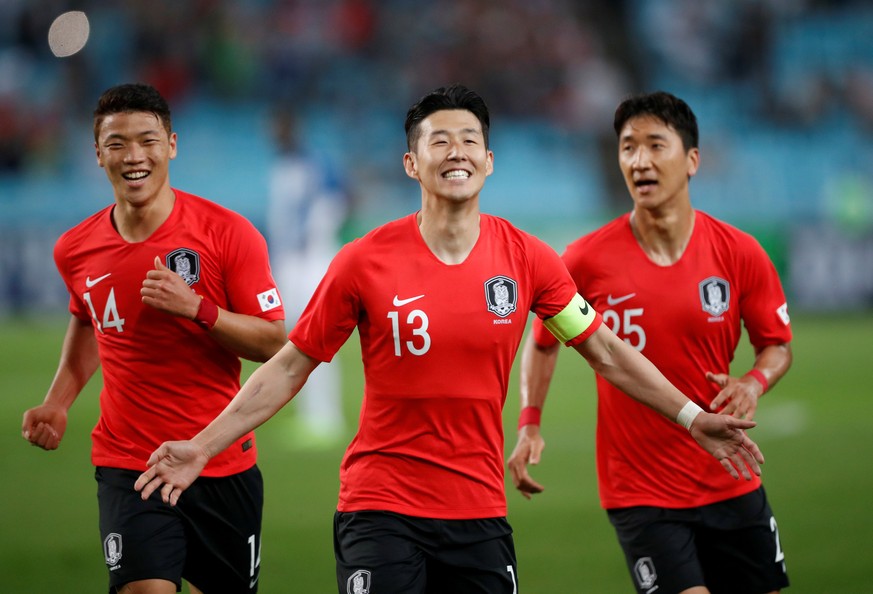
<point>149,482</point>
<point>738,460</point>
<point>155,458</point>
<point>167,494</point>
<point>43,436</point>
<point>529,487</point>
<point>727,465</point>
<point>720,379</point>
<point>735,423</point>
<point>159,271</point>
<point>749,463</point>
<point>754,451</point>
<point>746,456</point>
<point>528,450</point>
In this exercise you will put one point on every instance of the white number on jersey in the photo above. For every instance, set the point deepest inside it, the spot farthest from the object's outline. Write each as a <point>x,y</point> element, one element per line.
<point>111,319</point>
<point>418,320</point>
<point>625,327</point>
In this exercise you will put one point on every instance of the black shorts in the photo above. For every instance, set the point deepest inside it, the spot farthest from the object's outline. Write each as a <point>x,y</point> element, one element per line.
<point>387,553</point>
<point>730,546</point>
<point>212,538</point>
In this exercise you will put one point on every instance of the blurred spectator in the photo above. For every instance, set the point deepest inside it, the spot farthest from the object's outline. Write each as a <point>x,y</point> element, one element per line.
<point>555,66</point>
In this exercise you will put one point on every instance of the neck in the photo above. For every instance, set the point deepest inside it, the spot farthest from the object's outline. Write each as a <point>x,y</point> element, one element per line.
<point>450,233</point>
<point>663,236</point>
<point>136,223</point>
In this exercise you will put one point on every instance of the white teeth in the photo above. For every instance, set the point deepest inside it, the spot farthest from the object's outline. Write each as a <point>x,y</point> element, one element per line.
<point>457,174</point>
<point>136,175</point>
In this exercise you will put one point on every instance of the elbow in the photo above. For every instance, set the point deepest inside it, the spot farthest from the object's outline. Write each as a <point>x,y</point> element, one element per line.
<point>270,348</point>
<point>272,342</point>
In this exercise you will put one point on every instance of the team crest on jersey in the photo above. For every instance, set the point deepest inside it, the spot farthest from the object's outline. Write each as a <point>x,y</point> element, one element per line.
<point>359,582</point>
<point>112,549</point>
<point>715,295</point>
<point>644,573</point>
<point>501,293</point>
<point>185,263</point>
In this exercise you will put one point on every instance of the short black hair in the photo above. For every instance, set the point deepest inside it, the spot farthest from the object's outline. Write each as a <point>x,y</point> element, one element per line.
<point>661,105</point>
<point>454,96</point>
<point>132,97</point>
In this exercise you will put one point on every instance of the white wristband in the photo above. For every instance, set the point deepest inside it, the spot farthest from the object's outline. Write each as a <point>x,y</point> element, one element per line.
<point>688,413</point>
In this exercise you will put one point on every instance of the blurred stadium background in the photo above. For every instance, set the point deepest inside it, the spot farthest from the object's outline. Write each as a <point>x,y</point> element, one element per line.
<point>783,90</point>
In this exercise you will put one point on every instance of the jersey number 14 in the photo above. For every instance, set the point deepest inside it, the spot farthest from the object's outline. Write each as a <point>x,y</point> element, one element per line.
<point>111,319</point>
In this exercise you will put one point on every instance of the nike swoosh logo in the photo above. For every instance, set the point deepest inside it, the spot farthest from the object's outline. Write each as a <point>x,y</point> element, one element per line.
<point>90,283</point>
<point>400,302</point>
<point>616,300</point>
<point>584,310</point>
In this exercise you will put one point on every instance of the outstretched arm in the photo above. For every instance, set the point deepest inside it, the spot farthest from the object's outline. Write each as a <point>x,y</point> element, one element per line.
<point>248,336</point>
<point>537,368</point>
<point>740,395</point>
<point>176,464</point>
<point>44,425</point>
<point>721,435</point>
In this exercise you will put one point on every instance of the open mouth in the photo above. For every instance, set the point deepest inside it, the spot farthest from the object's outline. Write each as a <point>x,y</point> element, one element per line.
<point>456,174</point>
<point>135,175</point>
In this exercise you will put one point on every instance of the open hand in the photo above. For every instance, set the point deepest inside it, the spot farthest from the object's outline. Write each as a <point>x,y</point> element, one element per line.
<point>172,469</point>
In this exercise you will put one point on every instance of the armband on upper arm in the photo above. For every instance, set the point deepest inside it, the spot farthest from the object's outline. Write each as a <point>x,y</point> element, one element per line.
<point>571,321</point>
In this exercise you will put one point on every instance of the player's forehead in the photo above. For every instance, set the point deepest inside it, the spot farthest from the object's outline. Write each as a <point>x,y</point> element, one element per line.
<point>451,121</point>
<point>127,124</point>
<point>647,127</point>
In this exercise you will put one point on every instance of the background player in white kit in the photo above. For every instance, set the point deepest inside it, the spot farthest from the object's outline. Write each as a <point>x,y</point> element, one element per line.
<point>308,204</point>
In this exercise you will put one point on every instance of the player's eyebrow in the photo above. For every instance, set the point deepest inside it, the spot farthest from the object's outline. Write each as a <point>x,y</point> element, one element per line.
<point>653,136</point>
<point>120,136</point>
<point>442,132</point>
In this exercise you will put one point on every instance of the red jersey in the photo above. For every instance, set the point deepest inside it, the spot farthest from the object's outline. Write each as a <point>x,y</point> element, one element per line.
<point>437,342</point>
<point>686,319</point>
<point>163,376</point>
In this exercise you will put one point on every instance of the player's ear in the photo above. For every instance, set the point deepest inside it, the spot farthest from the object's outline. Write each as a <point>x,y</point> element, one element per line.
<point>489,163</point>
<point>173,140</point>
<point>97,151</point>
<point>693,162</point>
<point>410,165</point>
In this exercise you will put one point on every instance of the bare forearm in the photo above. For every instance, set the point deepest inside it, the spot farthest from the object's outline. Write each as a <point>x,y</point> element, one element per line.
<point>267,390</point>
<point>537,369</point>
<point>78,361</point>
<point>249,337</point>
<point>629,371</point>
<point>773,362</point>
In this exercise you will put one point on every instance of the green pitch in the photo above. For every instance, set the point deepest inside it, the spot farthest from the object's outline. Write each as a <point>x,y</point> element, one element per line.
<point>815,432</point>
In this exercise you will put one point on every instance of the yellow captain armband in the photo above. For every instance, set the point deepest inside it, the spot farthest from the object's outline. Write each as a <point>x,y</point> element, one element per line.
<point>572,321</point>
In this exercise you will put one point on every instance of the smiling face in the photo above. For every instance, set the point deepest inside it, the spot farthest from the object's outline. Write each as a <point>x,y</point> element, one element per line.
<point>135,150</point>
<point>450,159</point>
<point>654,162</point>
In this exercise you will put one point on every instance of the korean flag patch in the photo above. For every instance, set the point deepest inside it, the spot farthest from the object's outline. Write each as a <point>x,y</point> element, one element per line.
<point>269,300</point>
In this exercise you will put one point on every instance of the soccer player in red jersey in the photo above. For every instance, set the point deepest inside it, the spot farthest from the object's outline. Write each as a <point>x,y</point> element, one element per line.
<point>167,292</point>
<point>440,299</point>
<point>677,285</point>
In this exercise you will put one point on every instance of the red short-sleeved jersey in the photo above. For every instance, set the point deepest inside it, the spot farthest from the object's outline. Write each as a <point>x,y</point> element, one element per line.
<point>685,318</point>
<point>163,376</point>
<point>438,342</point>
